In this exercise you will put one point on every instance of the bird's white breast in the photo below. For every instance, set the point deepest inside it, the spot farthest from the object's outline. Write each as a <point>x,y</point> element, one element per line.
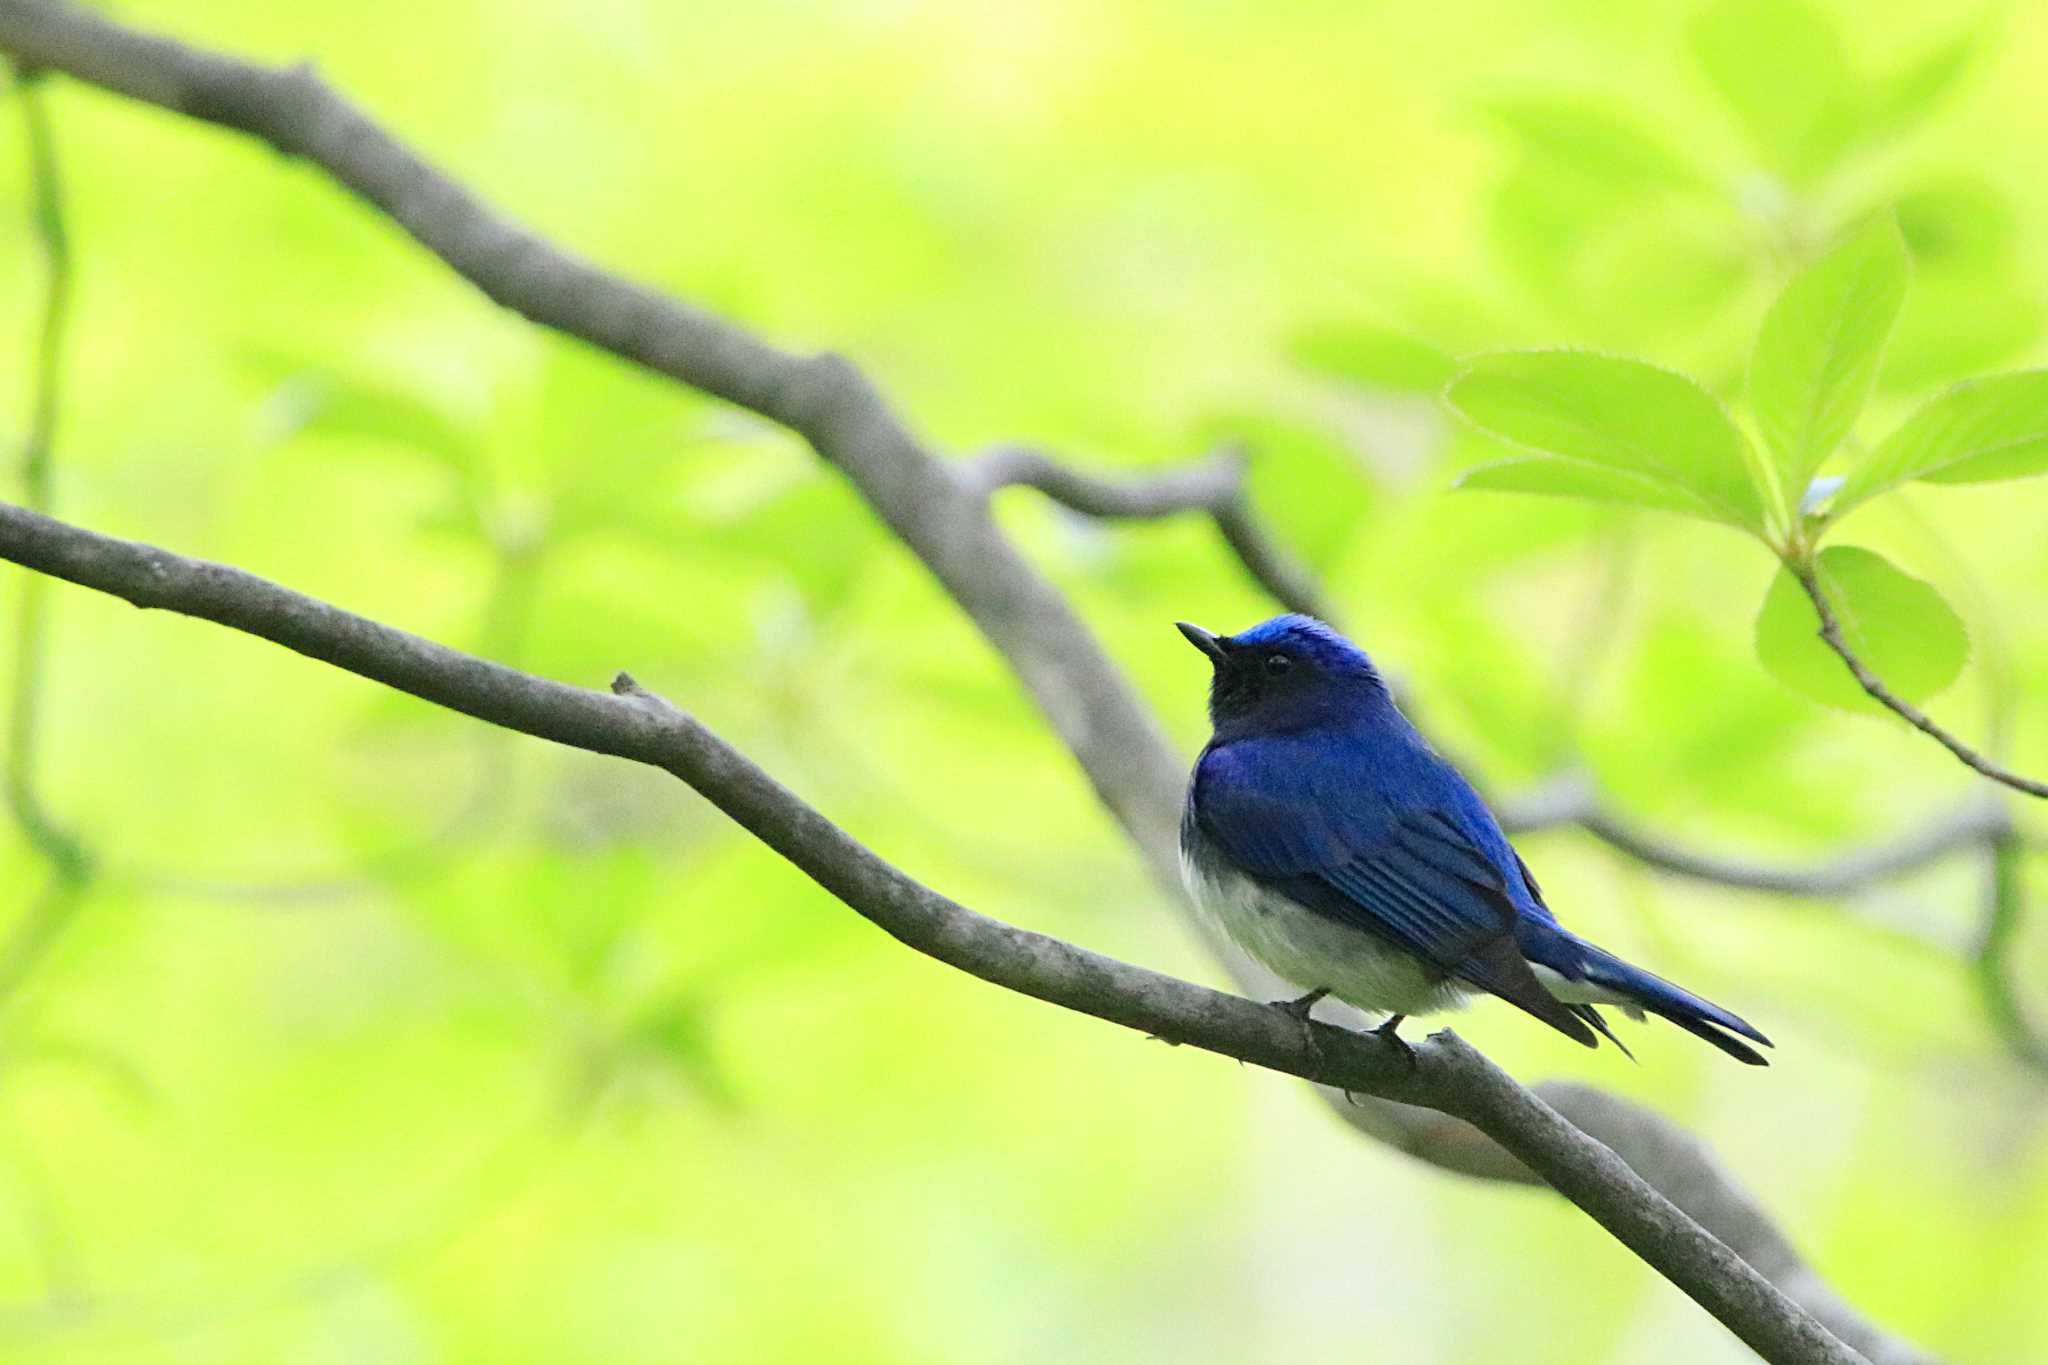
<point>1312,950</point>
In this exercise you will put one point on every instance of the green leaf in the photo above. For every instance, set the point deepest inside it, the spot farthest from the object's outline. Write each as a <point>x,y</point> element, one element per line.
<point>1568,479</point>
<point>1619,415</point>
<point>1897,625</point>
<point>1780,67</point>
<point>1817,356</point>
<point>1376,357</point>
<point>1985,429</point>
<point>1596,140</point>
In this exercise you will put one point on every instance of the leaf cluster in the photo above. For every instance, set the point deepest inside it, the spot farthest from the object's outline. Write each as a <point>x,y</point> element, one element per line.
<point>1904,291</point>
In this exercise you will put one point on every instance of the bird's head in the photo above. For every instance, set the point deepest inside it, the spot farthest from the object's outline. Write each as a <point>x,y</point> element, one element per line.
<point>1289,673</point>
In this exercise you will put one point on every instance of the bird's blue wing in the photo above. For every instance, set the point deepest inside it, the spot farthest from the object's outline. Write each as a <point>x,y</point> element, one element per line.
<point>1394,853</point>
<point>1404,875</point>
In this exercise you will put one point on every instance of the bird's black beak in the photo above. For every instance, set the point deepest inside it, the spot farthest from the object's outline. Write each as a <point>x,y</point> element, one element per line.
<point>1210,645</point>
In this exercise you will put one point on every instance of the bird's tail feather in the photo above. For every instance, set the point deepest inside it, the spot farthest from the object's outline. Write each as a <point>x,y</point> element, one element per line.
<point>1701,1018</point>
<point>1593,1017</point>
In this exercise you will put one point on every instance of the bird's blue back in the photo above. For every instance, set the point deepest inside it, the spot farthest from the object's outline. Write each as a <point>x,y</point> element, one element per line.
<point>1313,802</point>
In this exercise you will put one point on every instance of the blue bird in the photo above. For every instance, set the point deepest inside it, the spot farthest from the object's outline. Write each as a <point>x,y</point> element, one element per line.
<point>1326,837</point>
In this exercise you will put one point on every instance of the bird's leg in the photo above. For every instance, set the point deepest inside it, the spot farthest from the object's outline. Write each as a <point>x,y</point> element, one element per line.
<point>1300,1007</point>
<point>1390,1033</point>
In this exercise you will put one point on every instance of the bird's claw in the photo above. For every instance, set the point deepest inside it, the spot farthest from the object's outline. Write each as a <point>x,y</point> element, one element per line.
<point>1301,1005</point>
<point>1390,1033</point>
<point>1298,1009</point>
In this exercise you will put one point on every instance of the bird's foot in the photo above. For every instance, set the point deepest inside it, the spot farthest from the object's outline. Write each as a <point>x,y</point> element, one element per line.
<point>1390,1033</point>
<point>1300,1006</point>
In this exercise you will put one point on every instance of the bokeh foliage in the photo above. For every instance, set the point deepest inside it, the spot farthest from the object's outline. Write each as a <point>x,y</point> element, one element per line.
<point>376,1036</point>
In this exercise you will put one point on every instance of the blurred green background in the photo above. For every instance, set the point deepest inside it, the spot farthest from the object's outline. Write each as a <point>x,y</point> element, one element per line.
<point>382,1037</point>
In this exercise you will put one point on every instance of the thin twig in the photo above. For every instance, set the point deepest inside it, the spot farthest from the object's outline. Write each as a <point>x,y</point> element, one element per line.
<point>1935,839</point>
<point>1572,802</point>
<point>43,920</point>
<point>1271,567</point>
<point>1444,1074</point>
<point>1201,486</point>
<point>1215,485</point>
<point>1831,633</point>
<point>57,845</point>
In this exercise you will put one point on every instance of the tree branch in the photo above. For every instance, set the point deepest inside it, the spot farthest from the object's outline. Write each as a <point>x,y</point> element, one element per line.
<point>1198,487</point>
<point>1447,1074</point>
<point>1995,966</point>
<point>42,921</point>
<point>1831,633</point>
<point>940,517</point>
<point>57,845</point>
<point>1573,802</point>
<point>1215,486</point>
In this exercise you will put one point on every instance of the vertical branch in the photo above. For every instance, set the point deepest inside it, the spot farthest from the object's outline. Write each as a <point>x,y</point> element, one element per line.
<point>1995,976</point>
<point>46,208</point>
<point>50,913</point>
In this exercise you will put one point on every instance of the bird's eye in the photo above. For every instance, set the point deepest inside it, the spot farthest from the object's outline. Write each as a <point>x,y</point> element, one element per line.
<point>1276,664</point>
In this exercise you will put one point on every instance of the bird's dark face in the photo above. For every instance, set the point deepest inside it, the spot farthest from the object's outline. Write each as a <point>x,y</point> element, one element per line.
<point>1289,673</point>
